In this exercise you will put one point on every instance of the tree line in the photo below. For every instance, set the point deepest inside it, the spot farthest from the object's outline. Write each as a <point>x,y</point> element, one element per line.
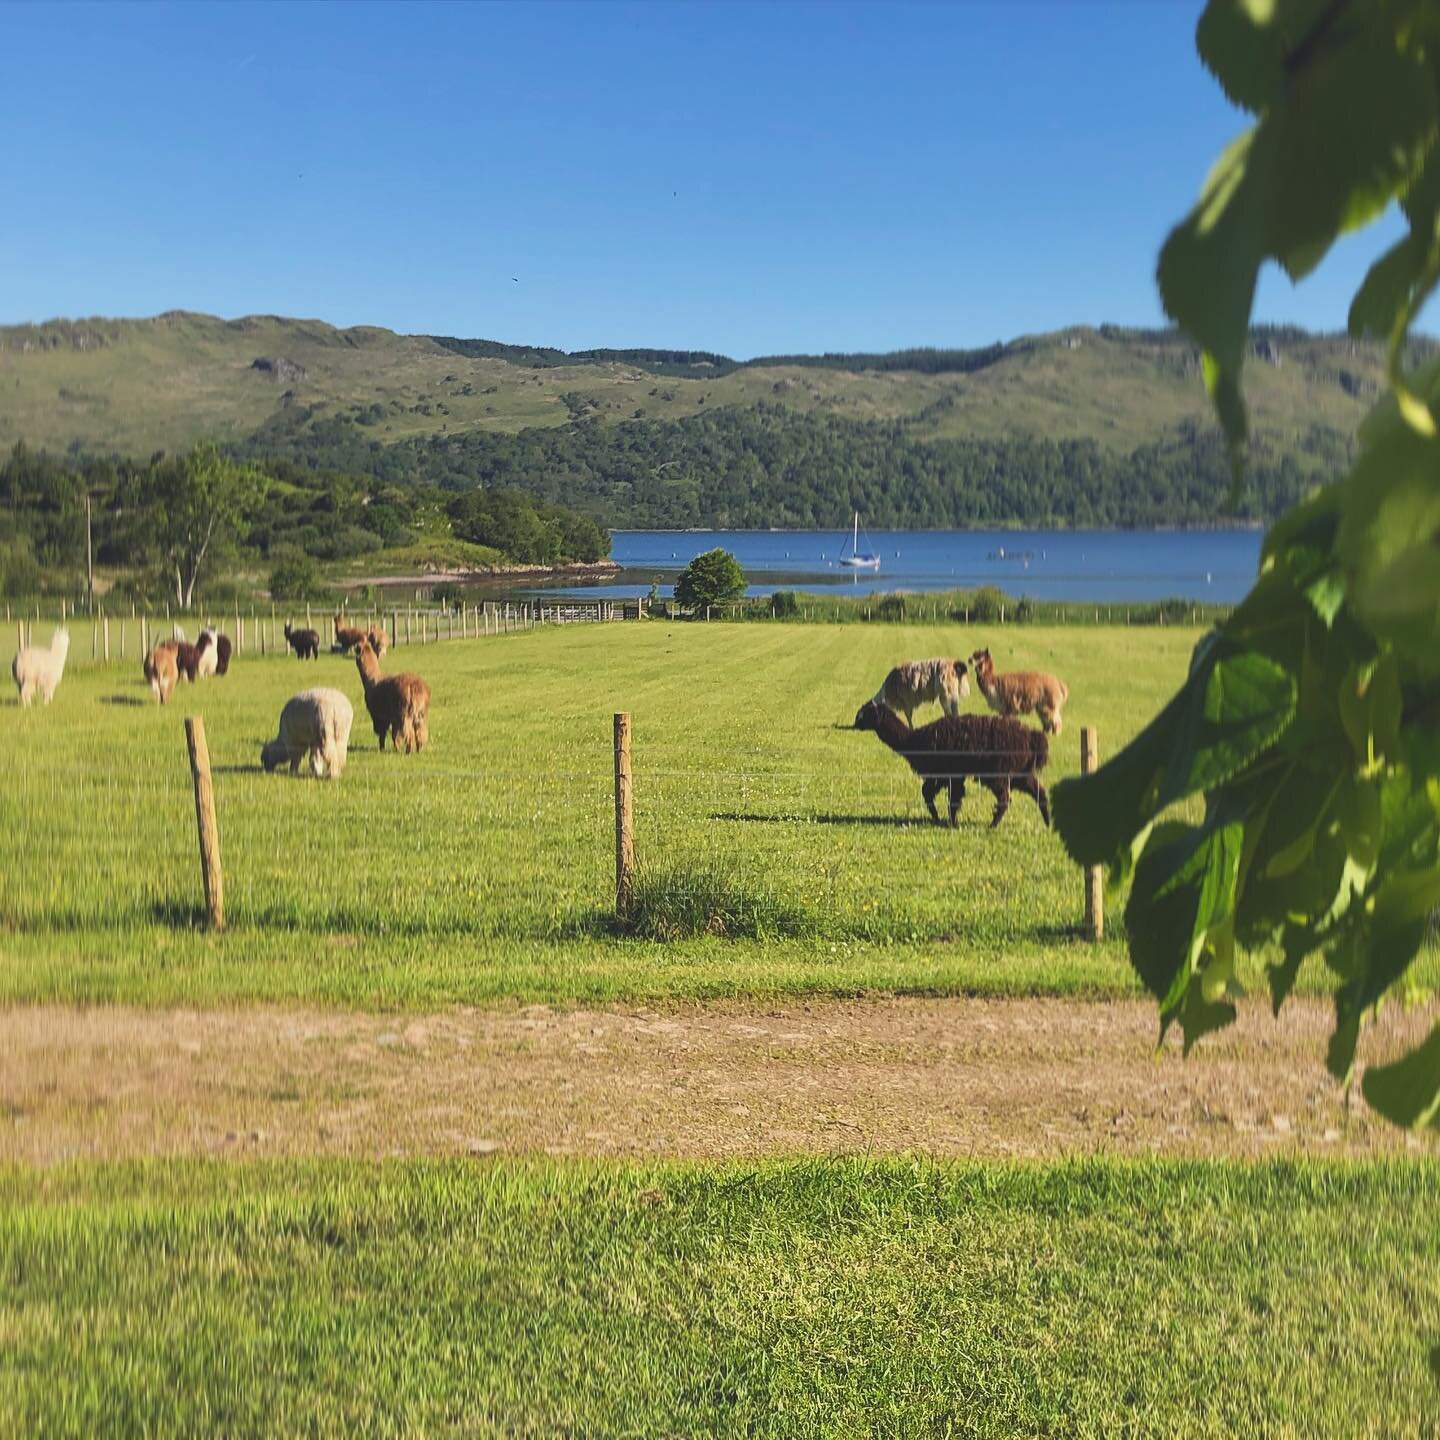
<point>170,520</point>
<point>768,466</point>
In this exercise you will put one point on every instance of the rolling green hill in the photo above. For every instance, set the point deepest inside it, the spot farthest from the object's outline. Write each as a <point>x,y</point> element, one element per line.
<point>603,429</point>
<point>140,385</point>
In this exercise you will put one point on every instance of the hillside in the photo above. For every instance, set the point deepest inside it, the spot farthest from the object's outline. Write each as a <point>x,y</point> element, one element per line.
<point>139,385</point>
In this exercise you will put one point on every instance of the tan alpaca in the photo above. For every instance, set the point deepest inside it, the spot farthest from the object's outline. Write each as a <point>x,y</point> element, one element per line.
<point>914,683</point>
<point>399,705</point>
<point>1022,692</point>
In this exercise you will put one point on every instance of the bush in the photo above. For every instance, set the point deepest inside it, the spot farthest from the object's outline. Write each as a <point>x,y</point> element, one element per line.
<point>989,604</point>
<point>714,578</point>
<point>784,604</point>
<point>448,594</point>
<point>293,577</point>
<point>890,607</point>
<point>692,900</point>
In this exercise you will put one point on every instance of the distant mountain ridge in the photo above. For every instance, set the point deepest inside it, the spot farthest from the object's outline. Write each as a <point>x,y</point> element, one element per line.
<point>443,409</point>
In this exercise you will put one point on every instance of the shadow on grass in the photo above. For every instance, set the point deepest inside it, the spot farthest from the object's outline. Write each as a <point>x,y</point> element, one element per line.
<point>253,769</point>
<point>893,822</point>
<point>134,701</point>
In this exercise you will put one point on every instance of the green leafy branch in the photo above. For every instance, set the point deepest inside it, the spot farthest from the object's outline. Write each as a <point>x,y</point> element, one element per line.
<point>1310,721</point>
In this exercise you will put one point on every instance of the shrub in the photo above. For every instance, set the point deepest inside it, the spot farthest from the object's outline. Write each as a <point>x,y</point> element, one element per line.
<point>890,607</point>
<point>697,899</point>
<point>714,578</point>
<point>293,576</point>
<point>989,604</point>
<point>448,594</point>
<point>784,604</point>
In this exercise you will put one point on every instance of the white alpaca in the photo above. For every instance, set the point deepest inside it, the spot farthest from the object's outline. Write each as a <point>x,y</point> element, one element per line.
<point>317,721</point>
<point>209,656</point>
<point>917,682</point>
<point>36,669</point>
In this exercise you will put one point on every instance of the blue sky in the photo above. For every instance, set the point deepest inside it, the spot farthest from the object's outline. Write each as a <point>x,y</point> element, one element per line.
<point>745,178</point>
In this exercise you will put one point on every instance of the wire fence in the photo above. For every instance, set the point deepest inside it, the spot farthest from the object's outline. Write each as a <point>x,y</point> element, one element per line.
<point>415,846</point>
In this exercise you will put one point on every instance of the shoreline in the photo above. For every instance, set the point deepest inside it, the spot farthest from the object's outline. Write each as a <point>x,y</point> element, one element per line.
<point>488,572</point>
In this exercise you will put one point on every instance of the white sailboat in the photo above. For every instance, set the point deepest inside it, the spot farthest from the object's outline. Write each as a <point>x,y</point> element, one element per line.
<point>858,559</point>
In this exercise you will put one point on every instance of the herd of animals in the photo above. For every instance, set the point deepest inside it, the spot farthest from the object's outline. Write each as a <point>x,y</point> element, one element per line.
<point>997,750</point>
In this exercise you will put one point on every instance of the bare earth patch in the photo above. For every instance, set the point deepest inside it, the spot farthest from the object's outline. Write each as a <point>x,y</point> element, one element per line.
<point>965,1077</point>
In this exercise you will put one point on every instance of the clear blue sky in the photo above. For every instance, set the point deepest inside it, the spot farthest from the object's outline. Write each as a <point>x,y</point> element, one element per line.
<point>739,177</point>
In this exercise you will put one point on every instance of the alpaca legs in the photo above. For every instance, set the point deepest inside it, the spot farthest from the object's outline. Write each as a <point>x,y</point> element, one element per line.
<point>930,789</point>
<point>1000,788</point>
<point>1031,786</point>
<point>957,799</point>
<point>27,692</point>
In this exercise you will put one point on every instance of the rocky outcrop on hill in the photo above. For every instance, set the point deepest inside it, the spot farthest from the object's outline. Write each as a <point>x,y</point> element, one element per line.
<point>278,368</point>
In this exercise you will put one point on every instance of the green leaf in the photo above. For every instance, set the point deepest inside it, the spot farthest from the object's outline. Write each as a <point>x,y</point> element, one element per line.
<point>1384,296</point>
<point>1407,1092</point>
<point>1370,709</point>
<point>1245,44</point>
<point>1184,890</point>
<point>1231,707</point>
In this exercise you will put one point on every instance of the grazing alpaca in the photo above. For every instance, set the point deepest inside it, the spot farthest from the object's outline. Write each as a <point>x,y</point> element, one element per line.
<point>399,705</point>
<point>305,643</point>
<point>346,636</point>
<point>161,670</point>
<point>317,722</point>
<point>996,751</point>
<point>1021,692</point>
<point>916,682</point>
<point>35,669</point>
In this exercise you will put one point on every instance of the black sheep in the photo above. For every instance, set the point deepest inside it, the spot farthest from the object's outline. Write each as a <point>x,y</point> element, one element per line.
<point>993,749</point>
<point>305,643</point>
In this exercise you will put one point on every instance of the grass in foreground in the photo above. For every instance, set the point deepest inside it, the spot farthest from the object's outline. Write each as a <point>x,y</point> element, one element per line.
<point>484,867</point>
<point>805,1299</point>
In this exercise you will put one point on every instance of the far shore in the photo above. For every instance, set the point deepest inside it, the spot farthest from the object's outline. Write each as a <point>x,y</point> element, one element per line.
<point>478,573</point>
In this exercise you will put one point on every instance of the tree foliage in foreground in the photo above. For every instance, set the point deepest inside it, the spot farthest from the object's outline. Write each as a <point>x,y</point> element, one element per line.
<point>1310,721</point>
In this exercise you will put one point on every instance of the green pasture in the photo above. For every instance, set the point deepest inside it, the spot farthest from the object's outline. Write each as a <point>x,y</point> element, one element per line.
<point>797,1299</point>
<point>484,867</point>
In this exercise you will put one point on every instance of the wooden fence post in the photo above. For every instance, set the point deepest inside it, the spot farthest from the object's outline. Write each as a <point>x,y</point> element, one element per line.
<point>1094,882</point>
<point>624,819</point>
<point>205,820</point>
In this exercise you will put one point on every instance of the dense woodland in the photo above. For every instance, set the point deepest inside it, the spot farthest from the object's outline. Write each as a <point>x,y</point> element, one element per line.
<point>303,514</point>
<point>773,467</point>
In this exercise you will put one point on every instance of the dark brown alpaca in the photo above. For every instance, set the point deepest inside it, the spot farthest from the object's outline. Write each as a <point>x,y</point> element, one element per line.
<point>399,705</point>
<point>996,751</point>
<point>305,643</point>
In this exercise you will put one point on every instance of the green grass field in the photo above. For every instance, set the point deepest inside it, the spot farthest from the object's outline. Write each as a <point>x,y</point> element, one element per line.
<point>796,1299</point>
<point>484,867</point>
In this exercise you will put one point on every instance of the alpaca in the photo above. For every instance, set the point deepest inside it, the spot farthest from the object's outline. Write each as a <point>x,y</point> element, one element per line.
<point>379,640</point>
<point>1021,692</point>
<point>317,722</point>
<point>915,682</point>
<point>347,637</point>
<point>35,669</point>
<point>996,751</point>
<point>305,643</point>
<point>399,705</point>
<point>209,660</point>
<point>161,671</point>
<point>190,658</point>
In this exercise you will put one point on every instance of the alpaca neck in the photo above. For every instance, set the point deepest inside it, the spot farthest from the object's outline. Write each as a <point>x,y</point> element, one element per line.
<point>891,728</point>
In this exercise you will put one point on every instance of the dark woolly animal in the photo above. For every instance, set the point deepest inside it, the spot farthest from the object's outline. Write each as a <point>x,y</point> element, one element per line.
<point>187,656</point>
<point>399,705</point>
<point>305,643</point>
<point>222,655</point>
<point>347,637</point>
<point>993,749</point>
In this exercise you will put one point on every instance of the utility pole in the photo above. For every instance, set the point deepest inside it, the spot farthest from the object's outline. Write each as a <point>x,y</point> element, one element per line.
<point>89,558</point>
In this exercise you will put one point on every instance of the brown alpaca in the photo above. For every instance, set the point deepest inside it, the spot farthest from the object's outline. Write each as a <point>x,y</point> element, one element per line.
<point>399,705</point>
<point>346,636</point>
<point>161,671</point>
<point>1021,692</point>
<point>379,640</point>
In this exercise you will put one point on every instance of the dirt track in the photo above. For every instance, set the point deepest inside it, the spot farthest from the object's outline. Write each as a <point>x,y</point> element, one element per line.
<point>952,1077</point>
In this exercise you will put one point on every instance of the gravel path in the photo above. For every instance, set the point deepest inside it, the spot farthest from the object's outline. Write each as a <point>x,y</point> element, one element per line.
<point>989,1078</point>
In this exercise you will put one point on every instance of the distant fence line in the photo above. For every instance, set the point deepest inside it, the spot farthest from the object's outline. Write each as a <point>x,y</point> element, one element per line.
<point>253,630</point>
